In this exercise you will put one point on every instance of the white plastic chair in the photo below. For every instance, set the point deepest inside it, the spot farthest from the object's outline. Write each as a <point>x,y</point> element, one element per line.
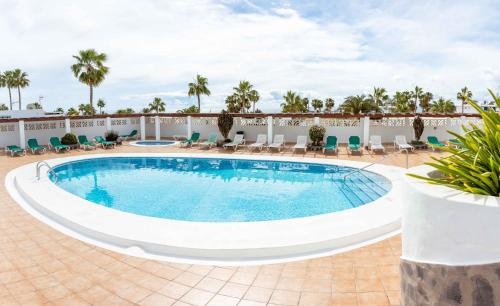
<point>237,141</point>
<point>401,144</point>
<point>259,143</point>
<point>278,143</point>
<point>301,143</point>
<point>376,143</point>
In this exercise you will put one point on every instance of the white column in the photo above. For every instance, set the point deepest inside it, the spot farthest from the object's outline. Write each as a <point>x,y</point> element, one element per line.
<point>22,136</point>
<point>67,125</point>
<point>316,120</point>
<point>269,129</point>
<point>157,128</point>
<point>189,127</point>
<point>143,127</point>
<point>108,124</point>
<point>366,131</point>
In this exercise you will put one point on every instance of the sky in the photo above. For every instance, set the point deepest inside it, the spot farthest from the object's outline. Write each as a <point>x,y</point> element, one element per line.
<point>319,49</point>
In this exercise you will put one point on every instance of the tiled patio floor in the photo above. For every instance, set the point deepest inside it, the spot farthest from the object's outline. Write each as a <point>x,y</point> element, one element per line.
<point>41,266</point>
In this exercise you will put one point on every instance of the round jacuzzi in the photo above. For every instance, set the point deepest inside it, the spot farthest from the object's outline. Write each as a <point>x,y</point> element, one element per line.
<point>214,208</point>
<point>152,143</point>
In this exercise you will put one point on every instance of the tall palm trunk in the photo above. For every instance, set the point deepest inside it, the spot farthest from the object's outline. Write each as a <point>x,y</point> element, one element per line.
<point>92,96</point>
<point>253,107</point>
<point>462,107</point>
<point>199,104</point>
<point>10,98</point>
<point>19,95</point>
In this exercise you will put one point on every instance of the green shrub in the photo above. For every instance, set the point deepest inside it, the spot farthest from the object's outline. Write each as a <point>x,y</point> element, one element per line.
<point>69,139</point>
<point>418,127</point>
<point>317,133</point>
<point>111,136</point>
<point>474,166</point>
<point>225,123</point>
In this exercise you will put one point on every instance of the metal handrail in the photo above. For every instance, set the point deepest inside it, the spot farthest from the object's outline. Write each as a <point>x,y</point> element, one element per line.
<point>44,163</point>
<point>357,170</point>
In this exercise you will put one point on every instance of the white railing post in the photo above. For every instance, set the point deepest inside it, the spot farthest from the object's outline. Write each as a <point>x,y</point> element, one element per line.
<point>157,128</point>
<point>269,129</point>
<point>142,122</point>
<point>22,135</point>
<point>108,124</point>
<point>366,131</point>
<point>67,125</point>
<point>189,127</point>
<point>316,120</point>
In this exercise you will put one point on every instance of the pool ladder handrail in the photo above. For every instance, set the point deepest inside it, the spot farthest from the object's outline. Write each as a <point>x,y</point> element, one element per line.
<point>357,170</point>
<point>42,163</point>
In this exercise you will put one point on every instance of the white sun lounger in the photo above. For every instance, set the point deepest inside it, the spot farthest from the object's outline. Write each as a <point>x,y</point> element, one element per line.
<point>376,143</point>
<point>278,143</point>
<point>259,144</point>
<point>301,143</point>
<point>237,141</point>
<point>401,144</point>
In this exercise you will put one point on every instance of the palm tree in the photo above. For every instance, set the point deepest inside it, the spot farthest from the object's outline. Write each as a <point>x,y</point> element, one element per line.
<point>379,97</point>
<point>244,92</point>
<point>125,111</point>
<point>82,108</point>
<point>90,69</point>
<point>254,98</point>
<point>305,102</point>
<point>3,107</point>
<point>317,104</point>
<point>415,94</point>
<point>59,110</point>
<point>36,105</point>
<point>157,105</point>
<point>20,80</point>
<point>401,102</point>
<point>72,112</point>
<point>425,99</point>
<point>7,80</point>
<point>198,88</point>
<point>146,110</point>
<point>442,106</point>
<point>357,104</point>
<point>101,104</point>
<point>293,103</point>
<point>329,104</point>
<point>233,104</point>
<point>463,95</point>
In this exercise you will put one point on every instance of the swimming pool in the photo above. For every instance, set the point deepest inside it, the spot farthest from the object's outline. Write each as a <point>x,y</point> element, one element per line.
<point>213,208</point>
<point>154,143</point>
<point>219,190</point>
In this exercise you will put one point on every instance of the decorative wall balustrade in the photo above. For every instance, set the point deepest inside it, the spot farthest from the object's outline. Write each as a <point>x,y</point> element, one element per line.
<point>339,122</point>
<point>204,121</point>
<point>7,127</point>
<point>289,122</point>
<point>170,120</point>
<point>253,121</point>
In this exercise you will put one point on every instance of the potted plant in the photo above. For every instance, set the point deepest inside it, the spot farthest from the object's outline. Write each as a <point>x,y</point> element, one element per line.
<point>70,140</point>
<point>418,130</point>
<point>225,123</point>
<point>111,136</point>
<point>450,220</point>
<point>316,134</point>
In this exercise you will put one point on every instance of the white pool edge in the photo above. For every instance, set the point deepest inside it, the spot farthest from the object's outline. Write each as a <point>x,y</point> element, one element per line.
<point>234,243</point>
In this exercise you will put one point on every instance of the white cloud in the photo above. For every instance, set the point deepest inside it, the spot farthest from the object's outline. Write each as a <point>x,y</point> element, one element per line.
<point>156,47</point>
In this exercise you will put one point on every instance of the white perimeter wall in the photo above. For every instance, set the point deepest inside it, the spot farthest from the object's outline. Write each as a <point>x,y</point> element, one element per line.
<point>388,127</point>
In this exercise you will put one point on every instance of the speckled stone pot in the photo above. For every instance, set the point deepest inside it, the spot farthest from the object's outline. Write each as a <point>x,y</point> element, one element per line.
<point>434,284</point>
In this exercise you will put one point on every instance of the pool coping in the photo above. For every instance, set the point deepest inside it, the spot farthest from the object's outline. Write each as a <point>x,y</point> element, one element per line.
<point>223,243</point>
<point>135,143</point>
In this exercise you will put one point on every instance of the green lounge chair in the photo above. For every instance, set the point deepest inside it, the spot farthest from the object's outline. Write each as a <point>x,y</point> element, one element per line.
<point>132,135</point>
<point>354,144</point>
<point>331,144</point>
<point>195,137</point>
<point>14,150</point>
<point>35,147</point>
<point>434,143</point>
<point>56,144</point>
<point>85,143</point>
<point>211,141</point>
<point>103,142</point>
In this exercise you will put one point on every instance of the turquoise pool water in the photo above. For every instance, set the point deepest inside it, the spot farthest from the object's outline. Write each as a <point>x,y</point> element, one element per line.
<point>218,190</point>
<point>154,143</point>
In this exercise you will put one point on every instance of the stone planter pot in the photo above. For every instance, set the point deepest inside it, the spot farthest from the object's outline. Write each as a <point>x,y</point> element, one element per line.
<point>451,245</point>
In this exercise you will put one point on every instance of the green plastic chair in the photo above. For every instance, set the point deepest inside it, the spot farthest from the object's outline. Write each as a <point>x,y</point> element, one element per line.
<point>195,137</point>
<point>15,150</point>
<point>434,143</point>
<point>103,142</point>
<point>85,143</point>
<point>35,147</point>
<point>456,143</point>
<point>331,144</point>
<point>211,141</point>
<point>132,134</point>
<point>354,144</point>
<point>57,145</point>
